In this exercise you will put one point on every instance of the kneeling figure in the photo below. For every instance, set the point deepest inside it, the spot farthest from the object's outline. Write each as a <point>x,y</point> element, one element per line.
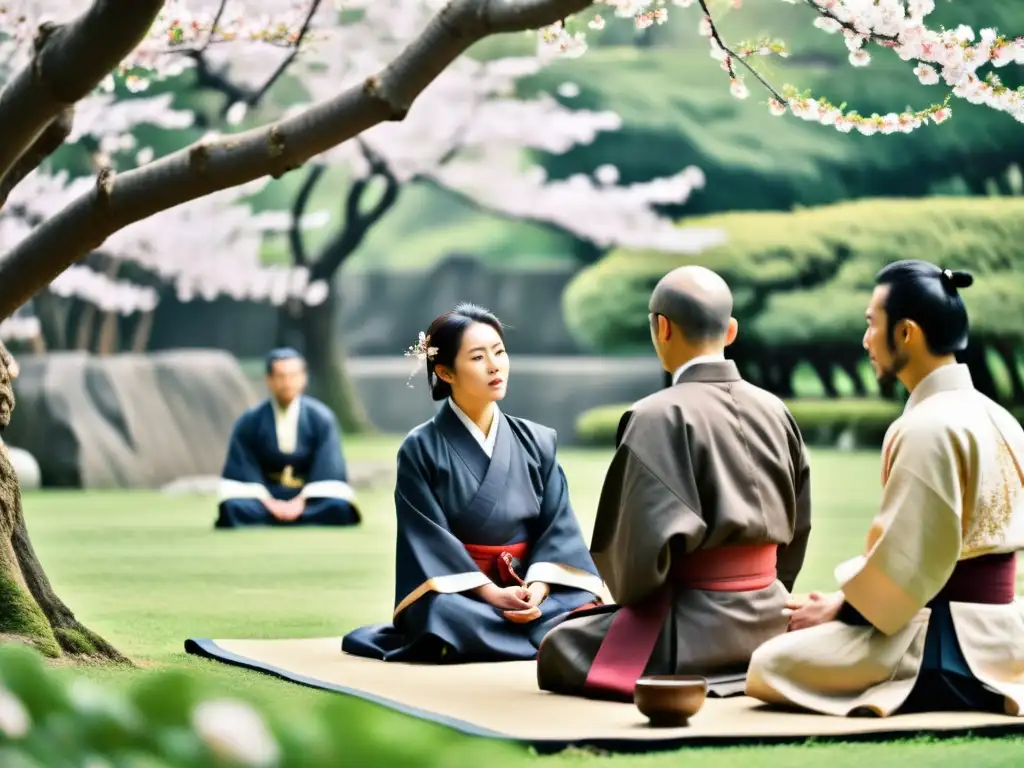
<point>284,464</point>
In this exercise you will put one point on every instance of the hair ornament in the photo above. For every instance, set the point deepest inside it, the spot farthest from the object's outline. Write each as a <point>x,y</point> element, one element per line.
<point>422,352</point>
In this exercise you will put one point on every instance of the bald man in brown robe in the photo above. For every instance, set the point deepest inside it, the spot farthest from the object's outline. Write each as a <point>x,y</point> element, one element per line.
<point>703,520</point>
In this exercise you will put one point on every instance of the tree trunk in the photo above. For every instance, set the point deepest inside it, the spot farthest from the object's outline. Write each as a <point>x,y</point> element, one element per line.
<point>311,329</point>
<point>1006,352</point>
<point>143,330</point>
<point>30,611</point>
<point>85,327</point>
<point>52,312</point>
<point>975,358</point>
<point>779,376</point>
<point>850,367</point>
<point>107,342</point>
<point>824,371</point>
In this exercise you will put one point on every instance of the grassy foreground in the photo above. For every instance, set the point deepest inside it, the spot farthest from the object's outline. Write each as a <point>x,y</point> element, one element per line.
<point>148,571</point>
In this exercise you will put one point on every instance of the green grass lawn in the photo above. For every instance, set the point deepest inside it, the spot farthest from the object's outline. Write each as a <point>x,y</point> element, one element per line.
<point>147,571</point>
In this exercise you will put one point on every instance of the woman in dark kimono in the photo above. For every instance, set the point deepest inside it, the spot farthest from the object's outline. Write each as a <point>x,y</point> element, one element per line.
<point>489,555</point>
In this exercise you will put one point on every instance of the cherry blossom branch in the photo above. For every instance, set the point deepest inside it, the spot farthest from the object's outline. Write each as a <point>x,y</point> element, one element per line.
<point>286,62</point>
<point>949,55</point>
<point>737,83</point>
<point>48,142</point>
<point>213,26</point>
<point>236,94</point>
<point>275,149</point>
<point>69,61</point>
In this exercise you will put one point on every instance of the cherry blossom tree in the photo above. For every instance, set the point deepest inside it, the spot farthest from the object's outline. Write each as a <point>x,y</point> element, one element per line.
<point>948,57</point>
<point>70,56</point>
<point>468,135</point>
<point>468,129</point>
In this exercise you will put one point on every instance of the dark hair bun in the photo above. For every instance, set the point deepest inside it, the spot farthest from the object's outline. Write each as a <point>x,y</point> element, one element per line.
<point>956,278</point>
<point>962,279</point>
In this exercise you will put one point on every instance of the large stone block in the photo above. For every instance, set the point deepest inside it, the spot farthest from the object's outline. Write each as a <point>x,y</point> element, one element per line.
<point>127,421</point>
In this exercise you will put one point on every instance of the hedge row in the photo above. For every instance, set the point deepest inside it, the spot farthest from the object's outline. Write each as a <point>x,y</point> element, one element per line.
<point>53,721</point>
<point>822,421</point>
<point>804,278</point>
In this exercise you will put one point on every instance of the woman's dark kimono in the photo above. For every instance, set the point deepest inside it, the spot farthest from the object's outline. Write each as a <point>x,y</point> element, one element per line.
<point>450,496</point>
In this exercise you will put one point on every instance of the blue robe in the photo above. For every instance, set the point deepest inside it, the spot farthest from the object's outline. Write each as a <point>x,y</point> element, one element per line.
<point>256,468</point>
<point>448,494</point>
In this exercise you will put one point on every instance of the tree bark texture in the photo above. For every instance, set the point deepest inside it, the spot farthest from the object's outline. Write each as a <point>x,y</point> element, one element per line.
<point>314,331</point>
<point>69,61</point>
<point>30,611</point>
<point>211,165</point>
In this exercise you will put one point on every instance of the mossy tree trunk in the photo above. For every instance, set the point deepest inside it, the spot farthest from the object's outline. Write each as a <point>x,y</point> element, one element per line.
<point>30,611</point>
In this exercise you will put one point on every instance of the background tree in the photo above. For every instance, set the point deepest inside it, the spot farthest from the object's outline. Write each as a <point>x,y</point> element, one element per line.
<point>469,136</point>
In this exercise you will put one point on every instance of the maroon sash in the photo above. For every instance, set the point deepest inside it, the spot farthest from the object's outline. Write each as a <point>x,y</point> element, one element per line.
<point>634,631</point>
<point>989,579</point>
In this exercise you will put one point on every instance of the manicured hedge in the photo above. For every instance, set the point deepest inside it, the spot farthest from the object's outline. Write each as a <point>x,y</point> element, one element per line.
<point>821,421</point>
<point>803,279</point>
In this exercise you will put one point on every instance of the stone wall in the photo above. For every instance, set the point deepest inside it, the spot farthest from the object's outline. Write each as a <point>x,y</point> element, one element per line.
<point>381,312</point>
<point>143,421</point>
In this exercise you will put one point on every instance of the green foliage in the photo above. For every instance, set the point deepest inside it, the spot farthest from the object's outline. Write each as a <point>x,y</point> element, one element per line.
<point>168,720</point>
<point>677,110</point>
<point>821,421</point>
<point>804,278</point>
<point>598,426</point>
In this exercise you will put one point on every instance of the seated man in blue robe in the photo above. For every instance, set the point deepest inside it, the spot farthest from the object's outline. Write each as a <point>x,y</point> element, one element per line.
<point>284,464</point>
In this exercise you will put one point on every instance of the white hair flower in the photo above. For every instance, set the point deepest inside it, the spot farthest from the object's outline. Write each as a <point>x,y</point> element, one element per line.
<point>421,350</point>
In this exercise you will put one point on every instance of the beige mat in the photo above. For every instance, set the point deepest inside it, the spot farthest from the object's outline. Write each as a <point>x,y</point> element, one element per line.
<point>501,700</point>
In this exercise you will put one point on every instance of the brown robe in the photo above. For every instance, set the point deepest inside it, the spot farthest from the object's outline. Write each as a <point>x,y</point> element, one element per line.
<point>710,461</point>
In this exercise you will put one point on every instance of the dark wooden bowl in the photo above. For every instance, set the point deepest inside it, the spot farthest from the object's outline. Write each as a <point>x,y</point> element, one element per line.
<point>669,701</point>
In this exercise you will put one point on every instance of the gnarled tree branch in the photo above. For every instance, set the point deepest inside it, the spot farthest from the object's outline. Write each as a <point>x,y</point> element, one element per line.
<point>298,246</point>
<point>357,222</point>
<point>49,141</point>
<point>233,93</point>
<point>68,63</point>
<point>209,166</point>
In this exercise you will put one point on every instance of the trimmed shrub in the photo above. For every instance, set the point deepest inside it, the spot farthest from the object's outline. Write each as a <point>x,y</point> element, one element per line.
<point>803,278</point>
<point>825,421</point>
<point>860,422</point>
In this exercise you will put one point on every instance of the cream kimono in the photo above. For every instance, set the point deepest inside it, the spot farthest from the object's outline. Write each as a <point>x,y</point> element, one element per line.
<point>953,490</point>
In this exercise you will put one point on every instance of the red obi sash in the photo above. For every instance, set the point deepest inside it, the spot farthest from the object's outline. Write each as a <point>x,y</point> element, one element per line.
<point>635,629</point>
<point>990,579</point>
<point>501,562</point>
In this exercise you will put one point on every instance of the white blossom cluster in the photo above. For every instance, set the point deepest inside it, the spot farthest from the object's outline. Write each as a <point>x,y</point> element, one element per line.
<point>206,248</point>
<point>467,131</point>
<point>950,56</point>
